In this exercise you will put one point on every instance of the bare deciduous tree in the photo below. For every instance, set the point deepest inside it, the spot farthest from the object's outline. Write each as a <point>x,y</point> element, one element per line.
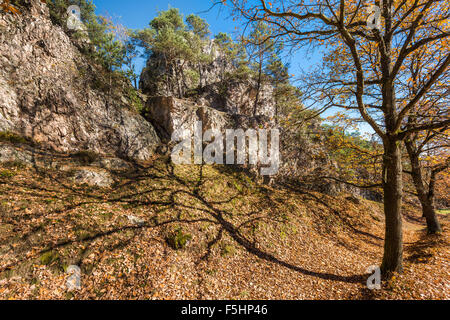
<point>364,77</point>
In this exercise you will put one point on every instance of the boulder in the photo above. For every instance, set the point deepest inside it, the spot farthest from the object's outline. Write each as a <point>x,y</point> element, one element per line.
<point>93,177</point>
<point>168,114</point>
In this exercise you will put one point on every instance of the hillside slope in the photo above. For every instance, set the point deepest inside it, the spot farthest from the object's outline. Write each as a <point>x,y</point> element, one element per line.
<point>242,240</point>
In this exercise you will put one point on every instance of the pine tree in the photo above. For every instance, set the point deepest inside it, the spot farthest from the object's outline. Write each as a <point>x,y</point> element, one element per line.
<point>260,47</point>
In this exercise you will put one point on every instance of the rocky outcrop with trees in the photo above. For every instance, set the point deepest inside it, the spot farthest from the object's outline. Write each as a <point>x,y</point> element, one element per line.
<point>190,78</point>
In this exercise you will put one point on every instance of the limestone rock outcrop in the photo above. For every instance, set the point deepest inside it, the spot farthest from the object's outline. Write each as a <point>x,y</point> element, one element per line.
<point>44,94</point>
<point>218,100</point>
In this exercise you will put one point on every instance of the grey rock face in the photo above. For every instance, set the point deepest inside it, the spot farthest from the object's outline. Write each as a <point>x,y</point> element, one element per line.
<point>136,220</point>
<point>169,114</point>
<point>160,79</point>
<point>114,164</point>
<point>98,178</point>
<point>10,154</point>
<point>44,96</point>
<point>239,98</point>
<point>35,157</point>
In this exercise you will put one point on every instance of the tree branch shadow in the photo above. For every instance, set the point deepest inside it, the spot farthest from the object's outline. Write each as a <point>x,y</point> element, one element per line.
<point>216,215</point>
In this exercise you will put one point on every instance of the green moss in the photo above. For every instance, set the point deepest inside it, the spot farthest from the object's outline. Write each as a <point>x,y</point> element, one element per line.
<point>49,201</point>
<point>7,174</point>
<point>238,187</point>
<point>83,234</point>
<point>14,164</point>
<point>70,295</point>
<point>49,258</point>
<point>7,136</point>
<point>194,92</point>
<point>228,250</point>
<point>178,239</point>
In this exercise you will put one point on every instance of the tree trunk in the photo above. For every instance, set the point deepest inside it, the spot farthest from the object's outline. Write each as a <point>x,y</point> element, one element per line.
<point>168,86</point>
<point>429,211</point>
<point>179,75</point>
<point>425,198</point>
<point>258,89</point>
<point>200,75</point>
<point>393,189</point>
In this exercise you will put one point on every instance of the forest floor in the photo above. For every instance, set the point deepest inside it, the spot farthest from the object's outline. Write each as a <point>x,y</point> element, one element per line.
<point>243,240</point>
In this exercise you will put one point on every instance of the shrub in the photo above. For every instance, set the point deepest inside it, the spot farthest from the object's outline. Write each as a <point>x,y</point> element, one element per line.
<point>136,102</point>
<point>193,77</point>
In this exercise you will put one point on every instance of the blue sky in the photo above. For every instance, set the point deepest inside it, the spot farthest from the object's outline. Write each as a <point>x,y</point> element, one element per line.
<point>138,13</point>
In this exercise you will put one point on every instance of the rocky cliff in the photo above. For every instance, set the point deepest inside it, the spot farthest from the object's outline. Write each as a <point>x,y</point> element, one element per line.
<point>46,96</point>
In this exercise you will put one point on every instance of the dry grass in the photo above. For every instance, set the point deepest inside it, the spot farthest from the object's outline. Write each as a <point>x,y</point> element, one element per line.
<point>246,241</point>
